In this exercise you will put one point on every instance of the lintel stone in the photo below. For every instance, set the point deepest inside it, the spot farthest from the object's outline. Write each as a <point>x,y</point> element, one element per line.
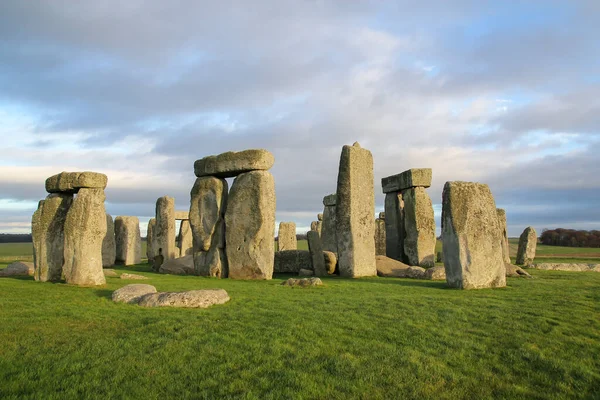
<point>415,177</point>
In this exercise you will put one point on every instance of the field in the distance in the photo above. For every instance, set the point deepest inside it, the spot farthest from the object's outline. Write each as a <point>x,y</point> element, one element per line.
<point>364,338</point>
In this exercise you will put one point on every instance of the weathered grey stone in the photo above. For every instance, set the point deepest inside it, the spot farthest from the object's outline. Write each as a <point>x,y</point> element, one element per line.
<point>394,227</point>
<point>516,272</point>
<point>471,236</point>
<point>178,266</point>
<point>132,293</point>
<point>315,248</point>
<point>380,237</point>
<point>303,282</point>
<point>567,267</point>
<point>164,231</point>
<point>18,268</point>
<point>207,220</point>
<point>502,224</point>
<point>388,267</point>
<point>250,222</point>
<point>313,225</point>
<point>186,246</point>
<point>419,225</point>
<point>330,200</point>
<point>110,273</point>
<point>306,272</point>
<point>181,215</point>
<point>151,241</point>
<point>85,229</point>
<point>416,177</point>
<point>48,236</point>
<point>291,261</point>
<point>190,299</point>
<point>71,182</point>
<point>319,227</point>
<point>527,246</point>
<point>230,164</point>
<point>328,235</point>
<point>320,217</point>
<point>287,236</point>
<point>382,215</point>
<point>109,246</point>
<point>133,276</point>
<point>330,261</point>
<point>355,227</point>
<point>128,240</point>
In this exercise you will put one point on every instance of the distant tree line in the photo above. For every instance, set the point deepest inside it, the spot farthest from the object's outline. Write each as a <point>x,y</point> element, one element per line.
<point>570,238</point>
<point>15,238</point>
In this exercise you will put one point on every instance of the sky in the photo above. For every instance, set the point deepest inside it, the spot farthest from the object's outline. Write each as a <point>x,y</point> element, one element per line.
<point>504,93</point>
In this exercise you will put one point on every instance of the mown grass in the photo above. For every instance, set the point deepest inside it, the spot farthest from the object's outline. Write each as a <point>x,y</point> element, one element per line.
<point>363,338</point>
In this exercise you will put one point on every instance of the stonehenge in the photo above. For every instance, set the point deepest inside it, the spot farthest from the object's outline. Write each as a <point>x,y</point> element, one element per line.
<point>69,229</point>
<point>409,222</point>
<point>128,240</point>
<point>380,235</point>
<point>527,246</point>
<point>472,238</point>
<point>287,236</point>
<point>355,202</point>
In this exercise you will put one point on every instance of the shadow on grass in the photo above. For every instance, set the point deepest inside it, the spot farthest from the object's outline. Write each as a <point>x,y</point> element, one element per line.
<point>408,282</point>
<point>107,294</point>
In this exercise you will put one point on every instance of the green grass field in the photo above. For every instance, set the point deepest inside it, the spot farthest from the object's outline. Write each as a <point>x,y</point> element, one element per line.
<point>365,338</point>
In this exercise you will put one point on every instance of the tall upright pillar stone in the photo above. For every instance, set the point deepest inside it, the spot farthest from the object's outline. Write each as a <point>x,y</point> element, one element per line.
<point>109,246</point>
<point>185,244</point>
<point>380,235</point>
<point>127,237</point>
<point>164,232</point>
<point>287,236</point>
<point>502,225</point>
<point>151,241</point>
<point>527,246</point>
<point>355,205</point>
<point>328,234</point>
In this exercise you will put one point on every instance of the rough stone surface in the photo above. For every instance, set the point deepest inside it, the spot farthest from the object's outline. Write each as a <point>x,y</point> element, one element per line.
<point>380,237</point>
<point>132,293</point>
<point>151,241</point>
<point>320,216</point>
<point>303,282</point>
<point>18,268</point>
<point>567,267</point>
<point>181,215</point>
<point>419,225</point>
<point>306,272</point>
<point>164,231</point>
<point>382,215</point>
<point>330,261</point>
<point>319,227</point>
<point>515,271</point>
<point>128,240</point>
<point>416,177</point>
<point>186,246</point>
<point>394,226</point>
<point>110,273</point>
<point>291,261</point>
<point>355,226</point>
<point>471,236</point>
<point>388,267</point>
<point>502,224</point>
<point>133,276</point>
<point>178,266</point>
<point>315,247</point>
<point>436,274</point>
<point>85,229</point>
<point>250,221</point>
<point>314,225</point>
<point>207,219</point>
<point>230,164</point>
<point>71,182</point>
<point>109,246</point>
<point>527,246</point>
<point>330,200</point>
<point>287,236</point>
<point>328,235</point>
<point>190,299</point>
<point>47,230</point>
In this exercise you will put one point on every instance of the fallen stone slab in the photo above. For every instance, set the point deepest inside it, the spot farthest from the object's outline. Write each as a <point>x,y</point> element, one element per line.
<point>189,299</point>
<point>230,164</point>
<point>133,276</point>
<point>567,267</point>
<point>515,271</point>
<point>388,267</point>
<point>17,268</point>
<point>291,261</point>
<point>132,293</point>
<point>303,282</point>
<point>71,182</point>
<point>178,266</point>
<point>110,273</point>
<point>416,177</point>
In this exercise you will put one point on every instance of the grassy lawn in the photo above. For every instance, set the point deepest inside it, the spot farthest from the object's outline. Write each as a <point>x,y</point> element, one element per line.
<point>364,338</point>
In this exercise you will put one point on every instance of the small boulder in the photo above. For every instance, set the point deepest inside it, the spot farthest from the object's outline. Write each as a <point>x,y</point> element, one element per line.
<point>330,261</point>
<point>110,273</point>
<point>178,266</point>
<point>436,274</point>
<point>190,299</point>
<point>303,282</point>
<point>133,276</point>
<point>132,293</point>
<point>18,268</point>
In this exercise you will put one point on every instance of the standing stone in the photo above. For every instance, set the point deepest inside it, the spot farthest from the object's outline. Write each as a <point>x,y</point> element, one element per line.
<point>472,240</point>
<point>250,221</point>
<point>85,229</point>
<point>287,236</point>
<point>127,237</point>
<point>355,227</point>
<point>150,241</point>
<point>328,236</point>
<point>164,231</point>
<point>48,226</point>
<point>527,245</point>
<point>419,225</point>
<point>207,212</point>
<point>502,224</point>
<point>319,227</point>
<point>394,227</point>
<point>109,249</point>
<point>316,253</point>
<point>320,217</point>
<point>313,225</point>
<point>186,247</point>
<point>380,237</point>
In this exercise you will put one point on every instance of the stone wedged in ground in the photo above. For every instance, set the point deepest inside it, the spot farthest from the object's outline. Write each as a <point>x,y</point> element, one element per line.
<point>190,299</point>
<point>17,268</point>
<point>71,182</point>
<point>303,282</point>
<point>291,261</point>
<point>178,266</point>
<point>133,276</point>
<point>232,163</point>
<point>515,271</point>
<point>416,177</point>
<point>132,293</point>
<point>567,267</point>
